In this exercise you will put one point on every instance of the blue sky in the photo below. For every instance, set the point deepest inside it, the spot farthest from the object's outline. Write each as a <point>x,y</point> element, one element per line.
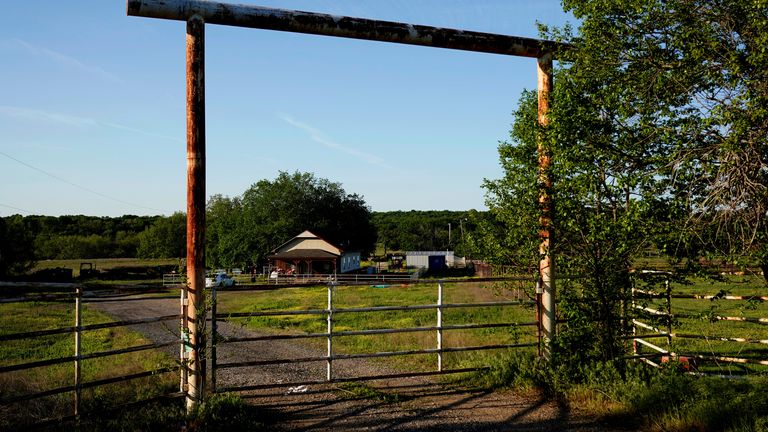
<point>92,115</point>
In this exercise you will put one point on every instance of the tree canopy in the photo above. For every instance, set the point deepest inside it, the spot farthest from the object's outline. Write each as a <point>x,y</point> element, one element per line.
<point>245,229</point>
<point>658,136</point>
<point>16,246</point>
<point>426,230</point>
<point>683,82</point>
<point>166,238</point>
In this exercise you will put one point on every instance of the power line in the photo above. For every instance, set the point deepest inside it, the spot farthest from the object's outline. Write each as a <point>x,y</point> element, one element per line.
<point>54,176</point>
<point>15,208</point>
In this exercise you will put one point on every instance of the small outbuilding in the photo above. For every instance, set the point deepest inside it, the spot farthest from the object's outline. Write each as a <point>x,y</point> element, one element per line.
<point>308,253</point>
<point>431,260</point>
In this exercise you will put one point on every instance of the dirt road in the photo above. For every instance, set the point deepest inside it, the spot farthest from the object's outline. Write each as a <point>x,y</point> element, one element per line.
<point>422,404</point>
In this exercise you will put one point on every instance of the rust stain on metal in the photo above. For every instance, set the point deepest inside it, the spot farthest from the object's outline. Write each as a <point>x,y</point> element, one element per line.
<point>341,26</point>
<point>196,203</point>
<point>546,261</point>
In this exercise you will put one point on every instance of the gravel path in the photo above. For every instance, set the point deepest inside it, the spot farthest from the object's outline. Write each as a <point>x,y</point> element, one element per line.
<point>424,404</point>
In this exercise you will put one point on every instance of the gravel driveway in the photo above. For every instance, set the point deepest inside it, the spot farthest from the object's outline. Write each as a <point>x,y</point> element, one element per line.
<point>424,404</point>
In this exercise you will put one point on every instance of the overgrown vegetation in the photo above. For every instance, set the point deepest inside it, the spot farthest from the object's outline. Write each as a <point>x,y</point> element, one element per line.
<point>657,140</point>
<point>638,397</point>
<point>222,412</point>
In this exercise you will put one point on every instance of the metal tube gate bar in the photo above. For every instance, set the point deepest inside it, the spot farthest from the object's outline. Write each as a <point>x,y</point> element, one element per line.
<point>329,362</point>
<point>214,338</point>
<point>78,352</point>
<point>440,326</point>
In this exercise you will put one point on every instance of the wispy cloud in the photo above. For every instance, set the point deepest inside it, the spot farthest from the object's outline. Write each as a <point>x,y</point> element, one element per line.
<point>319,137</point>
<point>46,117</point>
<point>141,132</point>
<point>67,60</point>
<point>41,116</point>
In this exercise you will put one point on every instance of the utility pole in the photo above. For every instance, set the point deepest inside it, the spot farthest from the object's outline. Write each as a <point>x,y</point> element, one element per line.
<point>195,319</point>
<point>546,260</point>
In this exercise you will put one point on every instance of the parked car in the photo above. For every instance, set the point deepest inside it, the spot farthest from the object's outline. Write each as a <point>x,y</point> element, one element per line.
<point>220,280</point>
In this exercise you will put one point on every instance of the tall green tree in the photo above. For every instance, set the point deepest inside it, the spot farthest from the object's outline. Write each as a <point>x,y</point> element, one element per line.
<point>245,229</point>
<point>604,208</point>
<point>658,133</point>
<point>687,81</point>
<point>16,246</point>
<point>166,238</point>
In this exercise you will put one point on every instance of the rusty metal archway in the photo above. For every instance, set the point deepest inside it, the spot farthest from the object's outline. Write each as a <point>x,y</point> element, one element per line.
<point>197,13</point>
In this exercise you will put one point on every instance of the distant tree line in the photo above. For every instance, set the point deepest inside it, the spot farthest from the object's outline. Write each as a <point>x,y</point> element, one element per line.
<point>428,230</point>
<point>73,237</point>
<point>241,230</point>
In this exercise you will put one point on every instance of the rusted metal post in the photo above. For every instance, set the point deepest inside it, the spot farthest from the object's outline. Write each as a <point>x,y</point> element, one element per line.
<point>196,208</point>
<point>78,353</point>
<point>546,261</point>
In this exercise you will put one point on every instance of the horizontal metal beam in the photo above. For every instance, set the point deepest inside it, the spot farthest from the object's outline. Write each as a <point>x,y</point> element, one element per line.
<point>341,26</point>
<point>225,316</point>
<point>372,355</point>
<point>373,332</point>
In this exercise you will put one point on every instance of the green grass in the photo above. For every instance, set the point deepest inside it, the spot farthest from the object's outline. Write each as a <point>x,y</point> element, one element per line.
<point>395,295</point>
<point>634,397</point>
<point>31,316</point>
<point>104,264</point>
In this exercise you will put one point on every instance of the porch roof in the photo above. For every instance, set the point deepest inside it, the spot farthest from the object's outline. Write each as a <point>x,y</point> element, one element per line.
<point>303,254</point>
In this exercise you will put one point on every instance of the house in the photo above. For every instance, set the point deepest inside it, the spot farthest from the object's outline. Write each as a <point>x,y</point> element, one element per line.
<point>308,253</point>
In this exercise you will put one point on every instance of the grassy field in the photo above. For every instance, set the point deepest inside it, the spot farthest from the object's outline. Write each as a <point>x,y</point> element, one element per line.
<point>105,264</point>
<point>31,316</point>
<point>394,295</point>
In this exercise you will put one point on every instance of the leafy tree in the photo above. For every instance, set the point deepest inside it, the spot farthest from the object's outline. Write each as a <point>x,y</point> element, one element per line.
<point>603,213</point>
<point>424,230</point>
<point>227,243</point>
<point>244,230</point>
<point>16,246</point>
<point>686,81</point>
<point>657,133</point>
<point>166,238</point>
<point>71,237</point>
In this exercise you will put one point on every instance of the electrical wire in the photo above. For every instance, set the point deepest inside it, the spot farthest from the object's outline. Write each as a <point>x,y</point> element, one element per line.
<point>54,176</point>
<point>15,208</point>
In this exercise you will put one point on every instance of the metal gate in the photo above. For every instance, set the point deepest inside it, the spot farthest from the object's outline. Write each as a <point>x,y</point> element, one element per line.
<point>332,353</point>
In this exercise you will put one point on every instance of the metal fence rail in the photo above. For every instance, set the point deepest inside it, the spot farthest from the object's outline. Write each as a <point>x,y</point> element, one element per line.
<point>330,334</point>
<point>664,314</point>
<point>78,357</point>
